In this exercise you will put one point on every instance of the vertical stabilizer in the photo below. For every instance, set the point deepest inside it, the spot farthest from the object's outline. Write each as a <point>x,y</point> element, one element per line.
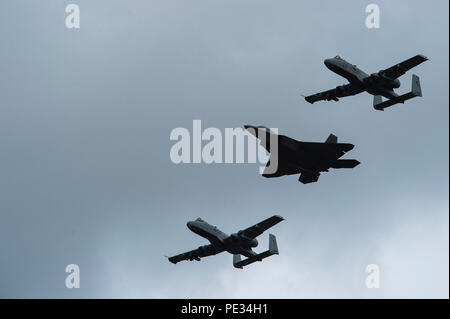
<point>332,139</point>
<point>236,261</point>
<point>273,247</point>
<point>416,90</point>
<point>377,100</point>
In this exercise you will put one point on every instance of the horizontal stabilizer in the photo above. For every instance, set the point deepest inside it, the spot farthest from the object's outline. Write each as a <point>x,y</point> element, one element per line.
<point>416,90</point>
<point>345,163</point>
<point>377,100</point>
<point>273,250</point>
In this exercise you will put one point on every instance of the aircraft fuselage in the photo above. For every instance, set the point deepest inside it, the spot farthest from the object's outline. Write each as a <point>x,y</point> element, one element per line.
<point>375,84</point>
<point>234,243</point>
<point>293,152</point>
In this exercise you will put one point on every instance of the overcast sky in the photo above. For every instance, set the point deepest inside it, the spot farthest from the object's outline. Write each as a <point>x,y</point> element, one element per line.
<point>86,177</point>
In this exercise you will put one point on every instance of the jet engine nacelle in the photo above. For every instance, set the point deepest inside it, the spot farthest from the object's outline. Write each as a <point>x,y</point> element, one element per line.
<point>236,237</point>
<point>372,79</point>
<point>254,243</point>
<point>396,83</point>
<point>240,237</point>
<point>380,78</point>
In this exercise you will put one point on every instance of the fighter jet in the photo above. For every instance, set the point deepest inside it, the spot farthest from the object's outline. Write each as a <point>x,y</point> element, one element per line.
<point>240,243</point>
<point>306,158</point>
<point>378,84</point>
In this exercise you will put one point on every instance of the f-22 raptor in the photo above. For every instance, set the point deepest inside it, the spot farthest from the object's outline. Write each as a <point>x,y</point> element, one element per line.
<point>378,84</point>
<point>306,158</point>
<point>240,243</point>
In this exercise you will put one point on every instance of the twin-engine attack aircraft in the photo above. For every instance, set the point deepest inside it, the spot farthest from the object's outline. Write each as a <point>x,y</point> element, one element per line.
<point>378,84</point>
<point>240,243</point>
<point>306,158</point>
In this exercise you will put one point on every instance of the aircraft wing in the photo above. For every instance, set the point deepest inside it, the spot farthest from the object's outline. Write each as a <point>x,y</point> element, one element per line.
<point>334,94</point>
<point>283,168</point>
<point>256,230</point>
<point>399,69</point>
<point>332,151</point>
<point>196,254</point>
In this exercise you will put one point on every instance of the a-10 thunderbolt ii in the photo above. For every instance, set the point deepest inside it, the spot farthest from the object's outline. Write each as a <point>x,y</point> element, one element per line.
<point>240,243</point>
<point>378,84</point>
<point>296,157</point>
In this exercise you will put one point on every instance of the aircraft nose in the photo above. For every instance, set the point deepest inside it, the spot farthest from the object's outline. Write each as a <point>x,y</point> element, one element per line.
<point>190,225</point>
<point>328,63</point>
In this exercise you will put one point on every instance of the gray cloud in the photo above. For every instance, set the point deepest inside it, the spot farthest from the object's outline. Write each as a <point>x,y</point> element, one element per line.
<point>85,174</point>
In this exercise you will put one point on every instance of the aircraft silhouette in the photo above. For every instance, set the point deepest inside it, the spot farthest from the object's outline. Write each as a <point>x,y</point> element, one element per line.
<point>378,84</point>
<point>306,158</point>
<point>240,243</point>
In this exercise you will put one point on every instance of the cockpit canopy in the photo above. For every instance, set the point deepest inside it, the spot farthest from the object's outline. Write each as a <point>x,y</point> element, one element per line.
<point>337,57</point>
